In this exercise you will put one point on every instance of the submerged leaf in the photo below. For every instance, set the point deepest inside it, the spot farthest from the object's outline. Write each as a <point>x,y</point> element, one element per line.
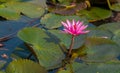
<point>68,10</point>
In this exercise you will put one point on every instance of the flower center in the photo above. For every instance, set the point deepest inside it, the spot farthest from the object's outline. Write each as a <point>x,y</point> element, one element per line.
<point>74,26</point>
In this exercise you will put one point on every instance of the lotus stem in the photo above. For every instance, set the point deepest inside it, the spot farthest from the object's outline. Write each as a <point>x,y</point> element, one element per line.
<point>71,46</point>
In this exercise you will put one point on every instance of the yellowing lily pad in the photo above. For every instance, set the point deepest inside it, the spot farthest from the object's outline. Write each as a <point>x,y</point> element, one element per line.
<point>115,7</point>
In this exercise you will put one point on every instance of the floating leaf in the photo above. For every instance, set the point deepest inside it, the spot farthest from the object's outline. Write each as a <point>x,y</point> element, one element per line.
<point>45,45</point>
<point>24,66</point>
<point>115,7</point>
<point>95,13</point>
<point>103,33</point>
<point>116,37</point>
<point>92,68</point>
<point>54,20</point>
<point>28,9</point>
<point>112,27</point>
<point>9,14</point>
<point>41,3</point>
<point>100,49</point>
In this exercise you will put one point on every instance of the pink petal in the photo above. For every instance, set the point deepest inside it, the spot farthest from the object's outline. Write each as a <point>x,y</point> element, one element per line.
<point>67,31</point>
<point>77,22</point>
<point>64,24</point>
<point>83,32</point>
<point>79,26</point>
<point>68,23</point>
<point>83,27</point>
<point>73,22</point>
<point>74,28</point>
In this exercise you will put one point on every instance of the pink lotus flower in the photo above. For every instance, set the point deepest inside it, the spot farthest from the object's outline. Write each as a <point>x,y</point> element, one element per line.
<point>74,28</point>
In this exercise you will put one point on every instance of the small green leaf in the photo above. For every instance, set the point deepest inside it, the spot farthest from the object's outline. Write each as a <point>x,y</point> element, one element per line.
<point>24,66</point>
<point>54,20</point>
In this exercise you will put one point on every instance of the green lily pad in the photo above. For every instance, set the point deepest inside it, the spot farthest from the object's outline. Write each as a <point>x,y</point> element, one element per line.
<point>41,3</point>
<point>100,49</point>
<point>24,66</point>
<point>97,32</point>
<point>95,13</point>
<point>116,37</point>
<point>28,9</point>
<point>115,7</point>
<point>45,45</point>
<point>92,68</point>
<point>66,39</point>
<point>112,27</point>
<point>9,14</point>
<point>54,21</point>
